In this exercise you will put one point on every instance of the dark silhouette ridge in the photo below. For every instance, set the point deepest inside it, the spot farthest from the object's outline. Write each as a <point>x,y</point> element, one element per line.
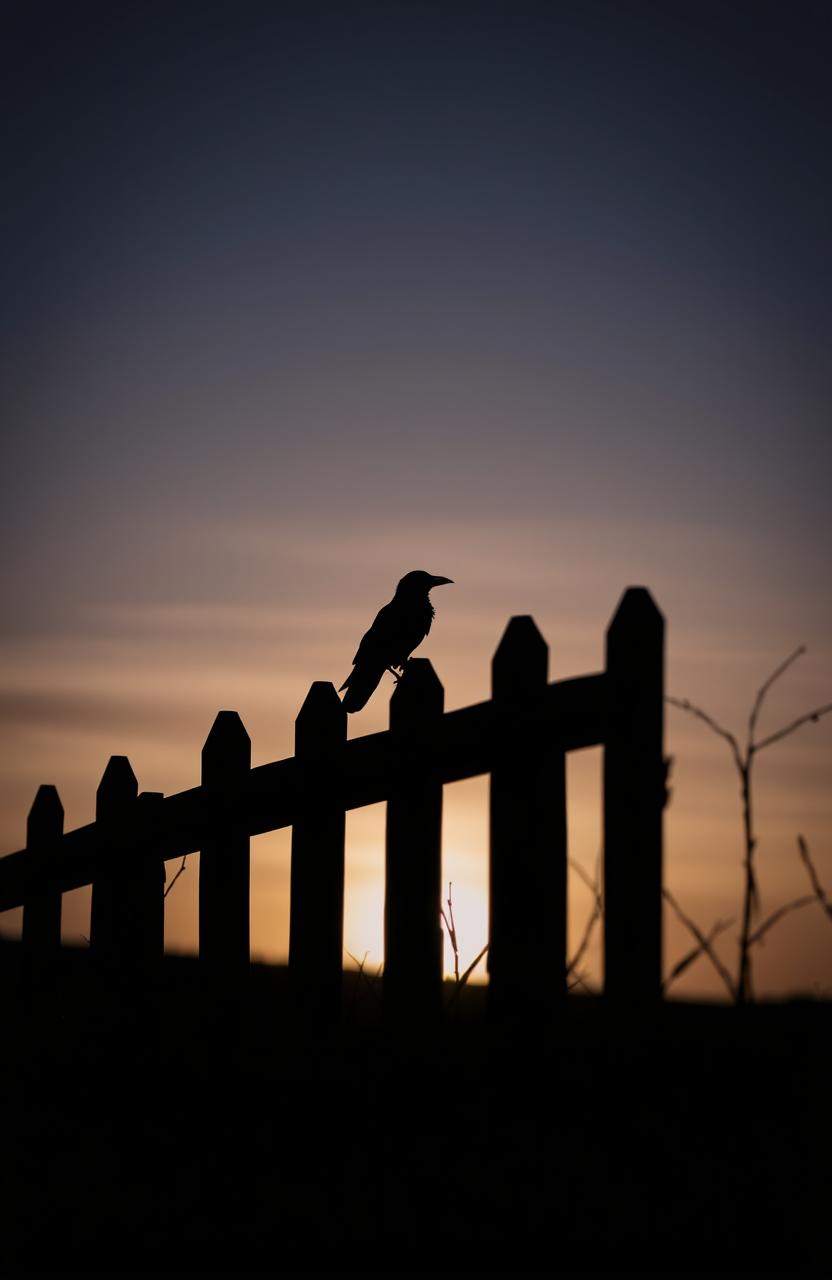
<point>214,1148</point>
<point>396,631</point>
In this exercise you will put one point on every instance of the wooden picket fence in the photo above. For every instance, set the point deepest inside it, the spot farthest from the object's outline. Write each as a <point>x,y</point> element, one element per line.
<point>520,737</point>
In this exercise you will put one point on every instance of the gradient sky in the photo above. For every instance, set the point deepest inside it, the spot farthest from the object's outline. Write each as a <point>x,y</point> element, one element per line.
<point>298,297</point>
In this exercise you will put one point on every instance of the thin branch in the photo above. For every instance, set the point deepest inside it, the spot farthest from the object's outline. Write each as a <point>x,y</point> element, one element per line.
<point>743,990</point>
<point>592,885</point>
<point>757,935</point>
<point>176,877</point>
<point>803,850</point>
<point>466,975</point>
<point>472,966</point>
<point>704,943</point>
<point>595,915</point>
<point>795,724</point>
<point>684,705</point>
<point>361,974</point>
<point>451,928</point>
<point>764,688</point>
<point>694,953</point>
<point>360,963</point>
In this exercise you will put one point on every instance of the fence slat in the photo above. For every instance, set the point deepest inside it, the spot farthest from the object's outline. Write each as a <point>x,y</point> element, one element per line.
<point>527,901</point>
<point>413,866</point>
<point>146,888</point>
<point>41,934</point>
<point>634,794</point>
<point>115,818</point>
<point>224,862</point>
<point>316,926</point>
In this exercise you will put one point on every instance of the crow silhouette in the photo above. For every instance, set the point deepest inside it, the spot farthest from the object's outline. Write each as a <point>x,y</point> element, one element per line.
<point>398,628</point>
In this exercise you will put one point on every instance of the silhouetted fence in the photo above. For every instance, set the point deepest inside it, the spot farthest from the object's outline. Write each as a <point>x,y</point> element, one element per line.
<point>520,737</point>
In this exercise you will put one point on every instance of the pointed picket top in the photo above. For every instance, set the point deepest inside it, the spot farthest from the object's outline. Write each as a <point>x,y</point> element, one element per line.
<point>633,801</point>
<point>41,926</point>
<point>227,743</point>
<point>636,610</point>
<point>46,816</point>
<point>224,865</point>
<point>419,695</point>
<point>520,665</point>
<point>635,637</point>
<point>117,788</point>
<point>321,721</point>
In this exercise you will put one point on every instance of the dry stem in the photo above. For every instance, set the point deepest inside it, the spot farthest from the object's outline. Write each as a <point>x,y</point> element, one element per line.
<point>704,947</point>
<point>448,921</point>
<point>176,877</point>
<point>743,761</point>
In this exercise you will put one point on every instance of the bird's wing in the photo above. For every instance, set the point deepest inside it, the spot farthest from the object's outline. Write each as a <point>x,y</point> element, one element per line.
<point>378,644</point>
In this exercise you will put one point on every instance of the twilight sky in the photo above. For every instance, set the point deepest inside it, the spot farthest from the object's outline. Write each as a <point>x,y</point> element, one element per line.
<point>298,297</point>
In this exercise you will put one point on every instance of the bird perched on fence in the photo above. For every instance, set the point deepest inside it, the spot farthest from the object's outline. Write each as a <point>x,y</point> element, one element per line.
<point>398,628</point>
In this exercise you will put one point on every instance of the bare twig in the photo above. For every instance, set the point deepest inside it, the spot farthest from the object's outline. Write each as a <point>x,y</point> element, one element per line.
<point>803,850</point>
<point>360,963</point>
<point>814,716</point>
<point>466,975</point>
<point>759,933</point>
<point>594,916</point>
<point>448,921</point>
<point>472,966</point>
<point>361,974</point>
<point>579,981</point>
<point>704,943</point>
<point>766,685</point>
<point>176,877</point>
<point>684,705</point>
<point>743,761</point>
<point>695,952</point>
<point>591,884</point>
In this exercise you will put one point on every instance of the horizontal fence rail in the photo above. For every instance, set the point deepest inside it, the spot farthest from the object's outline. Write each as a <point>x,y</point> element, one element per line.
<point>465,746</point>
<point>520,737</point>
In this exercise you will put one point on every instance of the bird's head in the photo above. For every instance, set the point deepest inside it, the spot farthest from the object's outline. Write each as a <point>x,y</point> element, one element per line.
<point>419,583</point>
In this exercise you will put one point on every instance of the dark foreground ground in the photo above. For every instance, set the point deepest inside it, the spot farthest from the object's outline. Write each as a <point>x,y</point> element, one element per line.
<point>137,1134</point>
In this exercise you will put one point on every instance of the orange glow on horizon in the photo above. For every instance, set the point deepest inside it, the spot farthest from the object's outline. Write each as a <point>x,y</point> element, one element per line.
<point>70,703</point>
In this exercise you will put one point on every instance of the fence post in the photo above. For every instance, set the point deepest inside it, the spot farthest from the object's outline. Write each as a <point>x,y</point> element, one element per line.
<point>634,796</point>
<point>224,861</point>
<point>413,858</point>
<point>41,935</point>
<point>527,899</point>
<point>114,819</point>
<point>147,884</point>
<point>316,925</point>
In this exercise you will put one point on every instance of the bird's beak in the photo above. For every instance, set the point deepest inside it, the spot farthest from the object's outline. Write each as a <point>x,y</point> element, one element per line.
<point>440,582</point>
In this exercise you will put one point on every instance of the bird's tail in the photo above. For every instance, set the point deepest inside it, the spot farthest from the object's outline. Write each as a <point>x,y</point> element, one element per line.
<point>360,685</point>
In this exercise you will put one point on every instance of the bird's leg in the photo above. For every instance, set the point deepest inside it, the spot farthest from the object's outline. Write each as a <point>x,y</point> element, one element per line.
<point>396,673</point>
